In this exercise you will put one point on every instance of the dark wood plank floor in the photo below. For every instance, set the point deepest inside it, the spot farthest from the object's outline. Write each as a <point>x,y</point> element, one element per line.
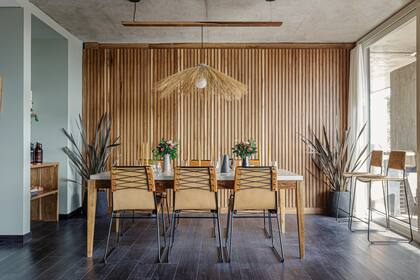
<point>332,252</point>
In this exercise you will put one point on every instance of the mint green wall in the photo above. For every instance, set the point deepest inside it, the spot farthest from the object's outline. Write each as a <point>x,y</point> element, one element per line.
<point>49,62</point>
<point>14,188</point>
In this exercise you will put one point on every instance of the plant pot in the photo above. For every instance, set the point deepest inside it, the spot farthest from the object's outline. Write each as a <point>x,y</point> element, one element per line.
<point>340,199</point>
<point>101,204</point>
<point>245,162</point>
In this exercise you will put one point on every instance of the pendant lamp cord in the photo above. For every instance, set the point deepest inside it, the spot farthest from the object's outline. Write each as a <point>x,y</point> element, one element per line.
<point>202,44</point>
<point>135,10</point>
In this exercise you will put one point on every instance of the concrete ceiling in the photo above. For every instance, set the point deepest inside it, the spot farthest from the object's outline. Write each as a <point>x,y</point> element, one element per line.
<point>304,20</point>
<point>391,52</point>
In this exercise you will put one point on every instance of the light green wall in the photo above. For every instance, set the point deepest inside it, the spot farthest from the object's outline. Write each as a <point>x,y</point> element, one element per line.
<point>14,188</point>
<point>50,97</point>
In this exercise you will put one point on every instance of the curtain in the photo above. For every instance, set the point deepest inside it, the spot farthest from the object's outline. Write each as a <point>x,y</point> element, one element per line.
<point>358,96</point>
<point>358,112</point>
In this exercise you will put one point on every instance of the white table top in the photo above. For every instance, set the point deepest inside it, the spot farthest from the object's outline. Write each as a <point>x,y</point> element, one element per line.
<point>283,175</point>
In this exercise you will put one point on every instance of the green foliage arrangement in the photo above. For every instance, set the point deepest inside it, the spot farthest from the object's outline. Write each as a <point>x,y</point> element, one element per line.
<point>165,147</point>
<point>245,149</point>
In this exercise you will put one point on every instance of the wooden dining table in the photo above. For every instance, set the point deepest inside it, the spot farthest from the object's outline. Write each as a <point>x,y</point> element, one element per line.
<point>286,180</point>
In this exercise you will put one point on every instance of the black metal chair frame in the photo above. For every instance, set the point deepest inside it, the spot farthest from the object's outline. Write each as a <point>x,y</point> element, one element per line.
<point>387,214</point>
<point>232,214</point>
<point>176,216</point>
<point>116,215</point>
<point>155,215</point>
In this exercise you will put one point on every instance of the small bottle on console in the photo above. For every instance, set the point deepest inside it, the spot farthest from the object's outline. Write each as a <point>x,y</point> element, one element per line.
<point>39,153</point>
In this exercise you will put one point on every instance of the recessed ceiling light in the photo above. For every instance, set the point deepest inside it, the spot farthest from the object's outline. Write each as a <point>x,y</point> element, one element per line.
<point>414,54</point>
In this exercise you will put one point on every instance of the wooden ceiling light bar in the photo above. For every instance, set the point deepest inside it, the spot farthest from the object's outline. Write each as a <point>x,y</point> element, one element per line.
<point>202,23</point>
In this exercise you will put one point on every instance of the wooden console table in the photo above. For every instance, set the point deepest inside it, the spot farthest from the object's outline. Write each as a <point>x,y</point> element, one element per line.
<point>44,204</point>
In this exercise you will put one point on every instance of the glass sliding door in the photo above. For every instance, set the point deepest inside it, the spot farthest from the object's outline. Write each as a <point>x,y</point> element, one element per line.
<point>392,64</point>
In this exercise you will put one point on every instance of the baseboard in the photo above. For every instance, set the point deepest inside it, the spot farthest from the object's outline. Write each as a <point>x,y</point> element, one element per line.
<point>20,239</point>
<point>70,215</point>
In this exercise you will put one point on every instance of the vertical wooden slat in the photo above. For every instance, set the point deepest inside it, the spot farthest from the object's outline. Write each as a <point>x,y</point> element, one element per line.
<point>289,91</point>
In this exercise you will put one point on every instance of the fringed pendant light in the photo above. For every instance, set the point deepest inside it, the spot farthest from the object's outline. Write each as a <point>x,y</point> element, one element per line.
<point>202,79</point>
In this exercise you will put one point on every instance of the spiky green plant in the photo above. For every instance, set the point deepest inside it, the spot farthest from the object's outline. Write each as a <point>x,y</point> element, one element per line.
<point>333,159</point>
<point>87,157</point>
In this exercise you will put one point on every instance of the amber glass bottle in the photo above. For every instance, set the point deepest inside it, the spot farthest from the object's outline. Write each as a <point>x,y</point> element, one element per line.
<point>39,153</point>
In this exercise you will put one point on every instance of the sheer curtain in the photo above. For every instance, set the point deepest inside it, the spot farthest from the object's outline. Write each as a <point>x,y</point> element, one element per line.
<point>358,113</point>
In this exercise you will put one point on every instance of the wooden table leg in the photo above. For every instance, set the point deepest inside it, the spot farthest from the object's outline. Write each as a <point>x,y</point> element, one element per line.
<point>91,214</point>
<point>283,210</point>
<point>300,199</point>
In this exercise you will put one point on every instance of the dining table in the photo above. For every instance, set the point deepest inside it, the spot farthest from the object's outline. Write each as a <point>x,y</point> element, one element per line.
<point>286,180</point>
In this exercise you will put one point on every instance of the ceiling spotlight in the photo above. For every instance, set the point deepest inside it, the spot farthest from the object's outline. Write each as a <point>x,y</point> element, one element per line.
<point>414,54</point>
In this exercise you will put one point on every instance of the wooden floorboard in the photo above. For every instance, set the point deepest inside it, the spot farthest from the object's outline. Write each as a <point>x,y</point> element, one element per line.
<point>332,252</point>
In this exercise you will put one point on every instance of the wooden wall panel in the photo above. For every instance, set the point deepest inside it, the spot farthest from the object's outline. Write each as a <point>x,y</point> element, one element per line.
<point>289,91</point>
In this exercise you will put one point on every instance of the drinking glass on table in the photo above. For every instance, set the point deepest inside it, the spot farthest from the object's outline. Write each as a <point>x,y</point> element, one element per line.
<point>157,168</point>
<point>216,165</point>
<point>274,164</point>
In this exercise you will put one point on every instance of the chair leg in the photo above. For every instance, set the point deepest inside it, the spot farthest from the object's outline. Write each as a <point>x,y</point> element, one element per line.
<point>230,237</point>
<point>266,232</point>
<point>270,227</point>
<point>167,209</point>
<point>408,211</point>
<point>109,234</point>
<point>353,198</point>
<point>369,209</point>
<point>163,224</point>
<point>158,235</point>
<point>227,228</point>
<point>173,229</point>
<point>214,225</point>
<point>280,238</point>
<point>220,237</point>
<point>177,220</point>
<point>385,204</point>
<point>120,228</point>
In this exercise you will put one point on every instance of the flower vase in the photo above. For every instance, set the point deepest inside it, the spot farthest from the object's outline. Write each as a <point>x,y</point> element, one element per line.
<point>167,168</point>
<point>245,162</point>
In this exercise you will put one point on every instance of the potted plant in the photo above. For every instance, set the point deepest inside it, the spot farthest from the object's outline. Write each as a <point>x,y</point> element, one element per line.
<point>333,158</point>
<point>91,156</point>
<point>244,150</point>
<point>166,150</point>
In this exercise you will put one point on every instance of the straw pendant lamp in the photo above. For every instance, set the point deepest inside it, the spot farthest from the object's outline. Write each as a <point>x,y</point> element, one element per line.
<point>201,79</point>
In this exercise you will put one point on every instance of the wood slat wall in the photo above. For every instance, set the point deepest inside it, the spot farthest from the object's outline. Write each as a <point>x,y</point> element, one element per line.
<point>289,91</point>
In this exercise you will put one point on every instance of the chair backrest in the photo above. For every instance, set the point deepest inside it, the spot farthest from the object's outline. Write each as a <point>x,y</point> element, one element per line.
<point>255,188</point>
<point>376,158</point>
<point>133,188</point>
<point>252,162</point>
<point>195,188</point>
<point>197,162</point>
<point>396,160</point>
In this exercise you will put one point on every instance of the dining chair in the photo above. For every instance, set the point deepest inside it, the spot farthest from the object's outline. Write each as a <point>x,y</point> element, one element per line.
<point>396,163</point>
<point>255,189</point>
<point>252,162</point>
<point>195,192</point>
<point>375,167</point>
<point>198,162</point>
<point>133,189</point>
